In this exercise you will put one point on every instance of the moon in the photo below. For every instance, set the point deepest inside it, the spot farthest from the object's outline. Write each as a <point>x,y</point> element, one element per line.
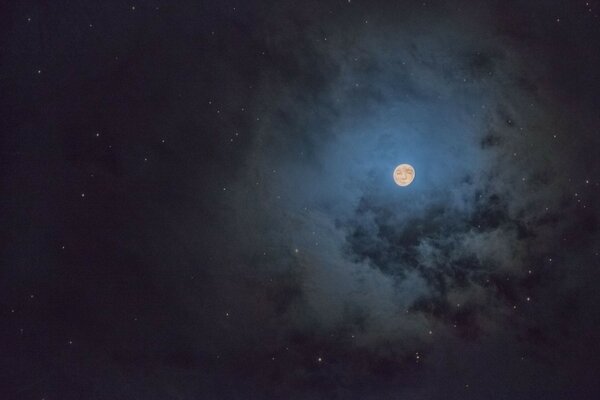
<point>404,174</point>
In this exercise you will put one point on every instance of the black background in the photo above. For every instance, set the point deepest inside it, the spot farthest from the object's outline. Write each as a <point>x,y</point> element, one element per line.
<point>196,200</point>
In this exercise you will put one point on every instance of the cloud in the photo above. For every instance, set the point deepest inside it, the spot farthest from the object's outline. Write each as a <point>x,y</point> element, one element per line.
<point>449,254</point>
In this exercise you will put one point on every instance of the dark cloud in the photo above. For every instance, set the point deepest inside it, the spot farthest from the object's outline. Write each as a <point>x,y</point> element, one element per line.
<point>464,253</point>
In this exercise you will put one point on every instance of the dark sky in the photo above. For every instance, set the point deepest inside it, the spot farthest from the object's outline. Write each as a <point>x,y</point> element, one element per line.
<point>197,202</point>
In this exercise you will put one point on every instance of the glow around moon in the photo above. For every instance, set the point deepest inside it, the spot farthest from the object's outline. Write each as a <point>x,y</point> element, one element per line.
<point>404,174</point>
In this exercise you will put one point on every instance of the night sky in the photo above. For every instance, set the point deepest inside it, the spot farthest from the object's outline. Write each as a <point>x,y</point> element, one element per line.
<point>197,202</point>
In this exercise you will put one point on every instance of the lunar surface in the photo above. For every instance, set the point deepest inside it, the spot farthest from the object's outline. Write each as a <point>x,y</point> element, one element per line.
<point>404,174</point>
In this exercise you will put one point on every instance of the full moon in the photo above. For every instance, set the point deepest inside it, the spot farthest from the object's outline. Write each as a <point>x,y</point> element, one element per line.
<point>404,174</point>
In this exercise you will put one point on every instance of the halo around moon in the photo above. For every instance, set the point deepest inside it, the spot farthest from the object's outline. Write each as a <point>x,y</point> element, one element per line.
<point>404,174</point>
